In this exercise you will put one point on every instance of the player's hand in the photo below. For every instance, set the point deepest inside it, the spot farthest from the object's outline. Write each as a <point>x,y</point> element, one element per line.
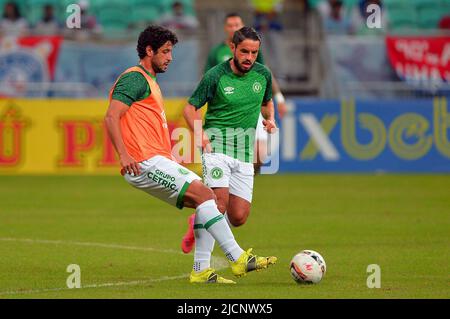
<point>205,144</point>
<point>269,126</point>
<point>129,165</point>
<point>282,109</point>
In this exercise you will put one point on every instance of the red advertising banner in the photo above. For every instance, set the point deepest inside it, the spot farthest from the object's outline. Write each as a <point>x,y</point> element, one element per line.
<point>25,61</point>
<point>420,59</point>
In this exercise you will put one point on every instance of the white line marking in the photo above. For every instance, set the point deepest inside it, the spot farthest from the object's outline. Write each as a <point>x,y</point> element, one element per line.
<point>102,285</point>
<point>219,262</point>
<point>81,243</point>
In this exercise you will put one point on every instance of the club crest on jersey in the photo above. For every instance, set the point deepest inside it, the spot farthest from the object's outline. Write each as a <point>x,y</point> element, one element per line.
<point>257,87</point>
<point>229,90</point>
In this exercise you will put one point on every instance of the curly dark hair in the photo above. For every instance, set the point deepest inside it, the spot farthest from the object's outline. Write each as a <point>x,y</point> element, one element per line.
<point>155,37</point>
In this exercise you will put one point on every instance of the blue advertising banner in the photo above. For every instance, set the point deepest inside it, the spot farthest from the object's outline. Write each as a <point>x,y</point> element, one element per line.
<point>365,136</point>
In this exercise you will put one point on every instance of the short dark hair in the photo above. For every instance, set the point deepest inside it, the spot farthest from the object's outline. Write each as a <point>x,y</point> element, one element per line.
<point>177,4</point>
<point>155,37</point>
<point>245,33</point>
<point>231,15</point>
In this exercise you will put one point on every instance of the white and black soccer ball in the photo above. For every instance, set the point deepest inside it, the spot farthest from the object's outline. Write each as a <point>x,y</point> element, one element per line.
<point>308,267</point>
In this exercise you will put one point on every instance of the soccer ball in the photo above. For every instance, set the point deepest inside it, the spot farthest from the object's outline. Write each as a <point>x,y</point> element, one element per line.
<point>308,267</point>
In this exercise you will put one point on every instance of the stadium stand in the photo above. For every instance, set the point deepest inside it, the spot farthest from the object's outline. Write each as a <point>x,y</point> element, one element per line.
<point>300,55</point>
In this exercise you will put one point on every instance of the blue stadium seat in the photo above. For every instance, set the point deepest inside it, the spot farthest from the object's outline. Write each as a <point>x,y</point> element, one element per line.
<point>445,5</point>
<point>429,17</point>
<point>350,3</point>
<point>397,4</point>
<point>160,5</point>
<point>142,15</point>
<point>402,18</point>
<point>115,18</point>
<point>99,5</point>
<point>314,3</point>
<point>420,4</point>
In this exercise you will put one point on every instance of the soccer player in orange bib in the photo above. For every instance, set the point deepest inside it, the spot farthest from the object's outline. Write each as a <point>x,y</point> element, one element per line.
<point>137,126</point>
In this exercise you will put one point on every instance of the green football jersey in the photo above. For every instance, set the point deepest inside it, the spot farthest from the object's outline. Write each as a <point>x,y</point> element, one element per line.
<point>132,87</point>
<point>234,104</point>
<point>222,53</point>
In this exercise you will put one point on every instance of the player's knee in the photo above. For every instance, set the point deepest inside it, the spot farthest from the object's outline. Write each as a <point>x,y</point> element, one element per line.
<point>238,219</point>
<point>236,222</point>
<point>198,193</point>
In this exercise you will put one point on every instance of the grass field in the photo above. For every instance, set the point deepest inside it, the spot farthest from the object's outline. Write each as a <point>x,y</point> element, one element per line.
<point>127,243</point>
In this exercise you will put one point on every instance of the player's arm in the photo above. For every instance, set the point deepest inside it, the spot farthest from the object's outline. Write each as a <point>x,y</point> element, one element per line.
<point>115,111</point>
<point>268,113</point>
<point>267,108</point>
<point>279,98</point>
<point>202,94</point>
<point>130,87</point>
<point>277,94</point>
<point>193,118</point>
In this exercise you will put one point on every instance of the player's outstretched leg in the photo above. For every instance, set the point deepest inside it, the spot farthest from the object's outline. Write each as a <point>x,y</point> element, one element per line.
<point>204,245</point>
<point>201,197</point>
<point>188,241</point>
<point>209,218</point>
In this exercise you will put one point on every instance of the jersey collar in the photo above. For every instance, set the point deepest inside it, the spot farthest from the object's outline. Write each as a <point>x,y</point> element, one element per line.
<point>148,73</point>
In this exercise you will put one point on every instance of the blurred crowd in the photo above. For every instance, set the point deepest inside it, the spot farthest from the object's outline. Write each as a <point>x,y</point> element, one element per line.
<point>351,16</point>
<point>97,18</point>
<point>106,18</point>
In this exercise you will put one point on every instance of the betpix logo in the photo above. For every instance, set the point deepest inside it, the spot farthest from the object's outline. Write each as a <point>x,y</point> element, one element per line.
<point>370,134</point>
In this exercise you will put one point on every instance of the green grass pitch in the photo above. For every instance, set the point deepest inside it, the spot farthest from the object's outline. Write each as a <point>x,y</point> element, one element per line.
<point>127,243</point>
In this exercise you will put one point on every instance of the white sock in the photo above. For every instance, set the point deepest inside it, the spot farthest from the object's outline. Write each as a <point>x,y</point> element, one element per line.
<point>213,221</point>
<point>227,219</point>
<point>204,245</point>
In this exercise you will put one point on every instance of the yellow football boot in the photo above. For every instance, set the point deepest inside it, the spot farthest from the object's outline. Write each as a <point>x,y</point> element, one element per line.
<point>248,262</point>
<point>208,276</point>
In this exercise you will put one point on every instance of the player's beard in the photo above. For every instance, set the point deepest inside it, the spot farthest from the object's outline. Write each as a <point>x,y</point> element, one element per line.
<point>239,67</point>
<point>158,69</point>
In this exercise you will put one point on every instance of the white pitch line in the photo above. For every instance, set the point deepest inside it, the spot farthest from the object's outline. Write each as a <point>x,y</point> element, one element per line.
<point>102,285</point>
<point>220,263</point>
<point>81,243</point>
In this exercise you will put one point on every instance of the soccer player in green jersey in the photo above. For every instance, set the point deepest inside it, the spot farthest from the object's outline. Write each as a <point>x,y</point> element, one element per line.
<point>221,53</point>
<point>236,91</point>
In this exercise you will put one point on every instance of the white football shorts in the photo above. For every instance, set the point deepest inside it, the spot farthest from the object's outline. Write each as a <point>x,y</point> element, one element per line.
<point>164,179</point>
<point>220,170</point>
